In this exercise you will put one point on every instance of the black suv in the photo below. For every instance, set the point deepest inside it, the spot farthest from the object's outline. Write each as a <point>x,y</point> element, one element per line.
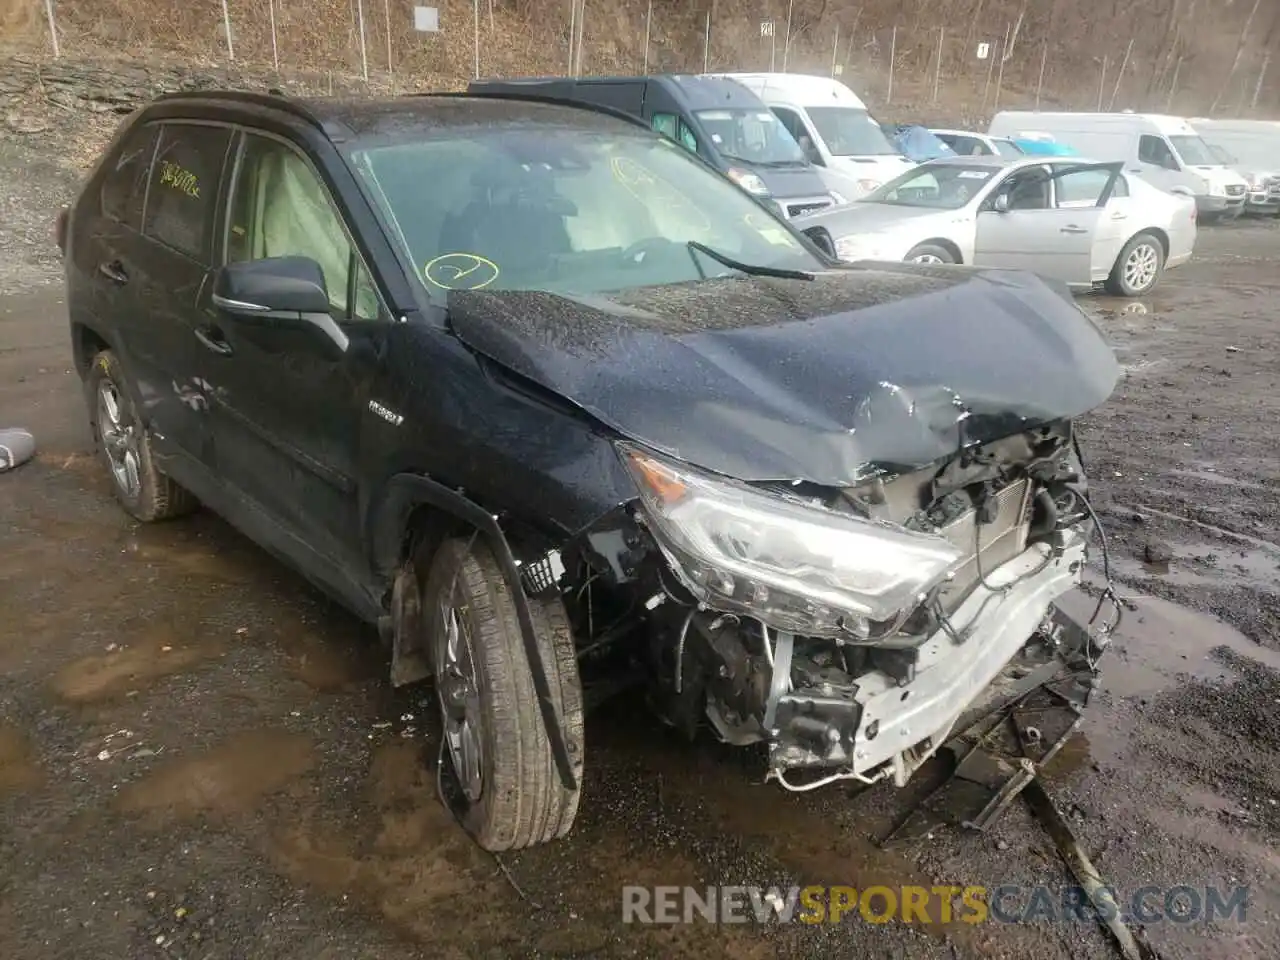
<point>548,400</point>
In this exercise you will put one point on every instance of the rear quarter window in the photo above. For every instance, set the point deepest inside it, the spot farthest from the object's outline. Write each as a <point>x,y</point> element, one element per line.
<point>183,188</point>
<point>124,186</point>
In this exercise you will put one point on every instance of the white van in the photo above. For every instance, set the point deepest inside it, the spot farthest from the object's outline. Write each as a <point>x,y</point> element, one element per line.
<point>1252,149</point>
<point>1165,151</point>
<point>833,127</point>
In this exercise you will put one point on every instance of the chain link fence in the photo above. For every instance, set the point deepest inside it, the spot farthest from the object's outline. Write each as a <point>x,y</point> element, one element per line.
<point>906,69</point>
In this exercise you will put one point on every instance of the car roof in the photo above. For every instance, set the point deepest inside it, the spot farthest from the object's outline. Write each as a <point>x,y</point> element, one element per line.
<point>695,91</point>
<point>1000,161</point>
<point>807,89</point>
<point>343,118</point>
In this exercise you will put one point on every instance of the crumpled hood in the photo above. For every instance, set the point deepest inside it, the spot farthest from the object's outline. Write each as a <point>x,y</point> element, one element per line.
<point>823,380</point>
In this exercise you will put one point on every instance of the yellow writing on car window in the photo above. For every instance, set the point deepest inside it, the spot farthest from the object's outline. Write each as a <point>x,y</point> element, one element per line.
<point>461,271</point>
<point>184,181</point>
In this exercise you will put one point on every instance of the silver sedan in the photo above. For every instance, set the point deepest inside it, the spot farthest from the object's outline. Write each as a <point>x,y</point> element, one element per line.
<point>1074,220</point>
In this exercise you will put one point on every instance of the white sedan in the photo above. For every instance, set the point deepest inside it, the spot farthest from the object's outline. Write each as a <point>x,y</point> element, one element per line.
<point>1074,220</point>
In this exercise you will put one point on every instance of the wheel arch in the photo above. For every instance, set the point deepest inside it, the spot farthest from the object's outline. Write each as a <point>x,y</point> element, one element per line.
<point>86,343</point>
<point>948,245</point>
<point>413,507</point>
<point>1157,232</point>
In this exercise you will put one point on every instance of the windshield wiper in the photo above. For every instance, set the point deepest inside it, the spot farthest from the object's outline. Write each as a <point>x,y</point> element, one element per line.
<point>751,269</point>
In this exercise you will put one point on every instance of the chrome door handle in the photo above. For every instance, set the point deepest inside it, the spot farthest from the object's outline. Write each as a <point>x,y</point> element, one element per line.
<point>115,272</point>
<point>1119,216</point>
<point>1074,229</point>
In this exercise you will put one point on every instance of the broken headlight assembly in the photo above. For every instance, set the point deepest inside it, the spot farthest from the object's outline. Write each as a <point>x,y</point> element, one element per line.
<point>793,566</point>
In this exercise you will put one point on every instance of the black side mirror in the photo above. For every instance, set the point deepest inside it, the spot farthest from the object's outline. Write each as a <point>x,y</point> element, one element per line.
<point>822,240</point>
<point>278,292</point>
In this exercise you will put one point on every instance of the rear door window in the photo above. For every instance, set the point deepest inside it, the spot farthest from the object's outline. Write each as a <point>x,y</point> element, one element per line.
<point>183,190</point>
<point>124,188</point>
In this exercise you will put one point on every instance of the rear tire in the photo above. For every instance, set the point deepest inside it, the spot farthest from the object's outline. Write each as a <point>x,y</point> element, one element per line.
<point>511,794</point>
<point>1138,268</point>
<point>929,253</point>
<point>125,447</point>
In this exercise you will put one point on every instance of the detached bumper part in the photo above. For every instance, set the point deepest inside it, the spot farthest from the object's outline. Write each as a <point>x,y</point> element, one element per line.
<point>892,729</point>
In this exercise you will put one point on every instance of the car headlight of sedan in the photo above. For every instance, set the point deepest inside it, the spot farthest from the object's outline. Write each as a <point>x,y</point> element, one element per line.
<point>862,246</point>
<point>793,566</point>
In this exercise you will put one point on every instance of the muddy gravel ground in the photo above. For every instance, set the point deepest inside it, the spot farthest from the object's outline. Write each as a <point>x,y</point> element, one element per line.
<point>199,756</point>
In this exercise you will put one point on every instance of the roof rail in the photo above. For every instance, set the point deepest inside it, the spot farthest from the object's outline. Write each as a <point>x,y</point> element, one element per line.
<point>275,98</point>
<point>543,98</point>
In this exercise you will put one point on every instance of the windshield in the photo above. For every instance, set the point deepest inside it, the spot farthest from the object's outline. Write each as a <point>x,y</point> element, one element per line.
<point>1007,148</point>
<point>566,211</point>
<point>943,186</point>
<point>1220,154</point>
<point>1194,151</point>
<point>849,132</point>
<point>1256,152</point>
<point>752,136</point>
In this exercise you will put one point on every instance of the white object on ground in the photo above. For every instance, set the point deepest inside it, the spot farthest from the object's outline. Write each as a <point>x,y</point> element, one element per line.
<point>16,448</point>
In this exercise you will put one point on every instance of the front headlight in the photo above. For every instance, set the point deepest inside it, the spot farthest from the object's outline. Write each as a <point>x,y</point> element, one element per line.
<point>869,186</point>
<point>793,566</point>
<point>748,181</point>
<point>1217,190</point>
<point>838,199</point>
<point>860,247</point>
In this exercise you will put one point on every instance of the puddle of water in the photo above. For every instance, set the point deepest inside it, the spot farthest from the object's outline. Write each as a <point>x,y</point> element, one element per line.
<point>1161,643</point>
<point>18,770</point>
<point>154,654</point>
<point>1189,567</point>
<point>231,778</point>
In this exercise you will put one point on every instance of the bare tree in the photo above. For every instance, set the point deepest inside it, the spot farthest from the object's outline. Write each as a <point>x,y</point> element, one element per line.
<point>1235,64</point>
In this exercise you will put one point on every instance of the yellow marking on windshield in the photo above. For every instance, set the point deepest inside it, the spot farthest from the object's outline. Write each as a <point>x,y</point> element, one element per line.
<point>461,271</point>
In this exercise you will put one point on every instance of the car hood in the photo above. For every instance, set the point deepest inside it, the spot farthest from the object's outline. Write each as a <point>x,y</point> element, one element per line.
<point>822,381</point>
<point>862,217</point>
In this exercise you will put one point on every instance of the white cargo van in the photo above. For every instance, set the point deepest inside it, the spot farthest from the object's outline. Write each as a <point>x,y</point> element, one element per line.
<point>1252,149</point>
<point>833,127</point>
<point>1166,151</point>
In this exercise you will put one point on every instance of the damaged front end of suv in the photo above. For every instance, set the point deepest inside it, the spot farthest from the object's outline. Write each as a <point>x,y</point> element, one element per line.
<point>840,529</point>
<point>850,629</point>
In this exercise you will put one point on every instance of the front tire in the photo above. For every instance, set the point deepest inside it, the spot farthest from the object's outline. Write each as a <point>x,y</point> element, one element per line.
<point>929,253</point>
<point>511,794</point>
<point>122,442</point>
<point>1138,268</point>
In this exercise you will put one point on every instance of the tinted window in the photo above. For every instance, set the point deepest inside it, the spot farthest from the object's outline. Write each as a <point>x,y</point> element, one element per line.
<point>669,125</point>
<point>1155,150</point>
<point>280,208</point>
<point>184,186</point>
<point>124,188</point>
<point>579,212</point>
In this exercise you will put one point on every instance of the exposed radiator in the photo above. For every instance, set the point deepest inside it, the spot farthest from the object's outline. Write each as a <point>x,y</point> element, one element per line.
<point>1001,540</point>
